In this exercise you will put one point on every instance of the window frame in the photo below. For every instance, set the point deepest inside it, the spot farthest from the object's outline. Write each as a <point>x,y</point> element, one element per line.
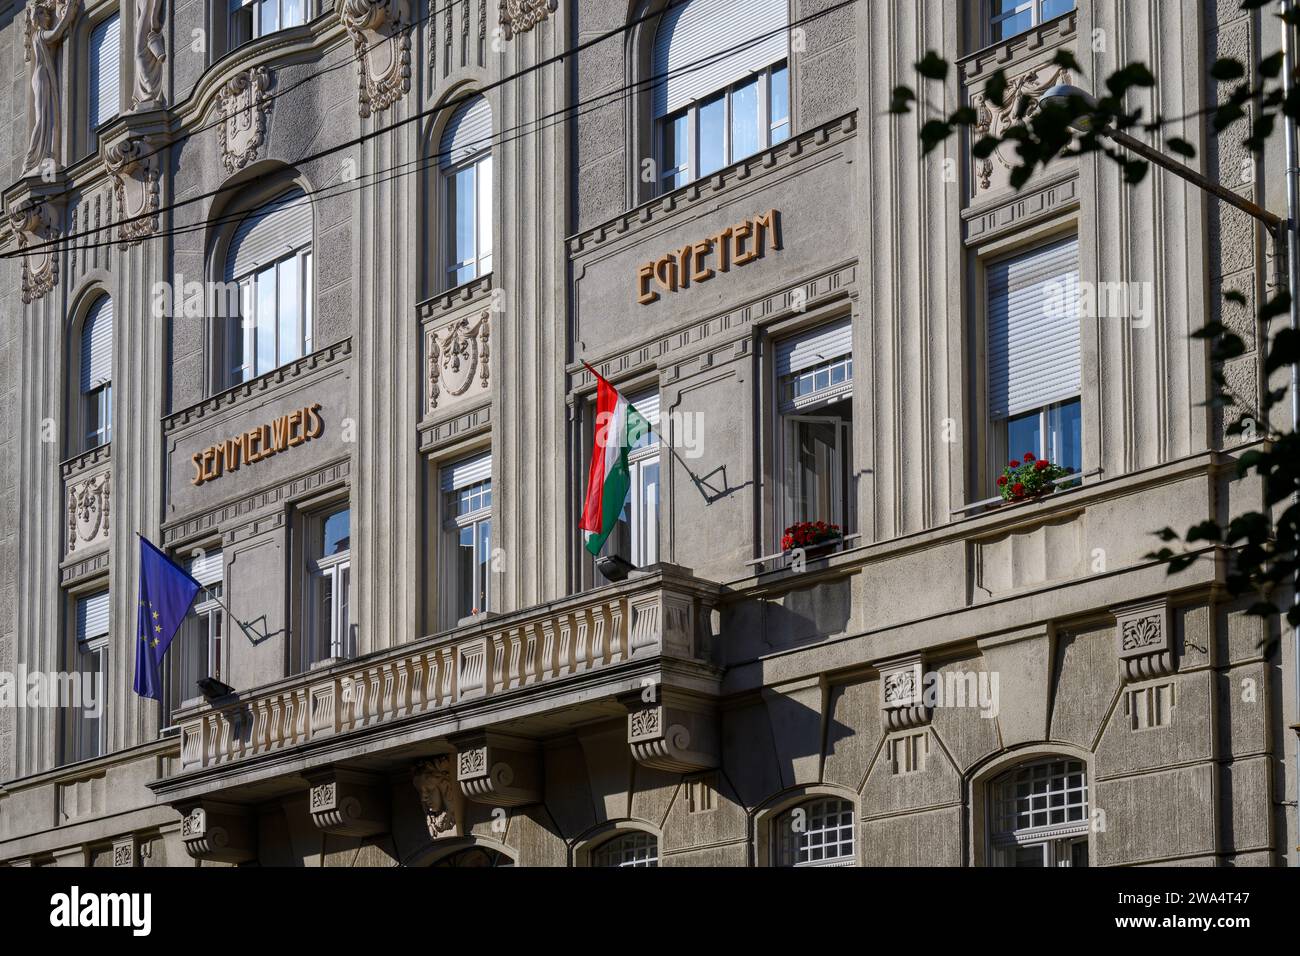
<point>1035,7</point>
<point>454,522</point>
<point>82,647</point>
<point>317,569</point>
<point>600,855</point>
<point>247,346</point>
<point>765,127</point>
<point>208,604</point>
<point>93,126</point>
<point>234,34</point>
<point>780,840</point>
<point>1057,841</point>
<point>483,207</point>
<point>93,426</point>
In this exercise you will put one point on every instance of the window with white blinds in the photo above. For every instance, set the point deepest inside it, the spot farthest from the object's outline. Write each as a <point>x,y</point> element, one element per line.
<point>466,163</point>
<point>270,232</point>
<point>706,45</point>
<point>105,71</point>
<point>97,346</point>
<point>92,616</point>
<point>468,132</point>
<point>469,471</point>
<point>206,567</point>
<point>815,367</point>
<point>1033,328</point>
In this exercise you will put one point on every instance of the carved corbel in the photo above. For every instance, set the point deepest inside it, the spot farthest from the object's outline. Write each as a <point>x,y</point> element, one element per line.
<point>133,164</point>
<point>902,694</point>
<point>36,221</point>
<point>348,803</point>
<point>245,104</point>
<point>520,16</point>
<point>674,733</point>
<point>126,851</point>
<point>440,797</point>
<point>381,33</point>
<point>498,769</point>
<point>1143,640</point>
<point>219,832</point>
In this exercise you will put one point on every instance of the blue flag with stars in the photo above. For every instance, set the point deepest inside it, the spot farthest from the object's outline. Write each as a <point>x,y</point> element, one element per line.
<point>166,593</point>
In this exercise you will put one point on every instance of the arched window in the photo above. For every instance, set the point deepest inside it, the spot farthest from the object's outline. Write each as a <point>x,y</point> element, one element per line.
<point>817,832</point>
<point>633,848</point>
<point>1038,814</point>
<point>105,72</point>
<point>96,384</point>
<point>465,153</point>
<point>475,856</point>
<point>722,85</point>
<point>269,260</point>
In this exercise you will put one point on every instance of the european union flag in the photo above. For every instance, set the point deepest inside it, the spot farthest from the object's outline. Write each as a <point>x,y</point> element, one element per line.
<point>166,593</point>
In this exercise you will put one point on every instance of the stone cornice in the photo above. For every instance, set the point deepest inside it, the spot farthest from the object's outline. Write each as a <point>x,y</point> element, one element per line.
<point>86,460</point>
<point>709,188</point>
<point>240,394</point>
<point>462,425</point>
<point>468,293</point>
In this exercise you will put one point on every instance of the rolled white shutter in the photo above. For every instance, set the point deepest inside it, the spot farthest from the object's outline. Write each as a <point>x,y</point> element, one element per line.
<point>206,568</point>
<point>691,58</point>
<point>469,131</point>
<point>97,345</point>
<point>92,616</point>
<point>468,472</point>
<point>269,233</point>
<point>822,344</point>
<point>647,403</point>
<point>1033,329</point>
<point>105,70</point>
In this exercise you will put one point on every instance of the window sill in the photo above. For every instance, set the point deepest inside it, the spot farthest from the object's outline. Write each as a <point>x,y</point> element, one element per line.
<point>997,501</point>
<point>834,548</point>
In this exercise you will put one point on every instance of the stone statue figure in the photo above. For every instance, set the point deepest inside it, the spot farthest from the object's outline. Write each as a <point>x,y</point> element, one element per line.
<point>150,53</point>
<point>47,23</point>
<point>438,795</point>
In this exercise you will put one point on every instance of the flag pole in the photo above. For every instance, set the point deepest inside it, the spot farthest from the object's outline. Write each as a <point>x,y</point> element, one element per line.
<point>246,628</point>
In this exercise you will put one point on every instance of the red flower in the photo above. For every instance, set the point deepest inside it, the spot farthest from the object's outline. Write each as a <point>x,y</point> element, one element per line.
<point>1017,489</point>
<point>1013,464</point>
<point>1030,456</point>
<point>1041,464</point>
<point>1002,480</point>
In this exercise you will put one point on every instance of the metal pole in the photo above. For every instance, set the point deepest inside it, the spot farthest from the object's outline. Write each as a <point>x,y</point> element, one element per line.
<point>1293,286</point>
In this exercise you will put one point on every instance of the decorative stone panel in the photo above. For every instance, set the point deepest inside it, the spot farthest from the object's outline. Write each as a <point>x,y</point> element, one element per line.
<point>125,851</point>
<point>245,105</point>
<point>902,699</point>
<point>520,16</point>
<point>381,33</point>
<point>133,164</point>
<point>498,769</point>
<point>88,507</point>
<point>36,221</point>
<point>348,803</point>
<point>458,360</point>
<point>1143,640</point>
<point>219,832</point>
<point>674,733</point>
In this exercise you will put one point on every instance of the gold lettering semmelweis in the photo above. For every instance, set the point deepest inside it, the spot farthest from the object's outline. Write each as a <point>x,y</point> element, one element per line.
<point>287,431</point>
<point>736,245</point>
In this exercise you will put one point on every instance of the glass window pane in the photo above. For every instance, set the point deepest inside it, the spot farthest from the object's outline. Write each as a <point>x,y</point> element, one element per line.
<point>337,533</point>
<point>306,303</point>
<point>248,329</point>
<point>266,352</point>
<point>270,10</point>
<point>294,13</point>
<point>463,566</point>
<point>1054,8</point>
<point>744,120</point>
<point>1065,427</point>
<point>324,614</point>
<point>649,532</point>
<point>815,463</point>
<point>484,193</point>
<point>462,220</point>
<point>1010,17</point>
<point>344,621</point>
<point>676,151</point>
<point>484,565</point>
<point>712,135</point>
<point>779,103</point>
<point>1024,435</point>
<point>290,289</point>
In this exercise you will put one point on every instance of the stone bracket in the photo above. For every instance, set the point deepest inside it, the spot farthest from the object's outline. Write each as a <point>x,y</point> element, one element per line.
<point>674,732</point>
<point>1144,641</point>
<point>218,832</point>
<point>498,769</point>
<point>902,697</point>
<point>348,802</point>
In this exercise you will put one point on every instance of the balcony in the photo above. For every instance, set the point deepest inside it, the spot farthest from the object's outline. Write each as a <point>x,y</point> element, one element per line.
<point>574,659</point>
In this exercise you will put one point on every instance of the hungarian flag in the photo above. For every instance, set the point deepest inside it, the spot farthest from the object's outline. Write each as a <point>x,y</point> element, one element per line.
<point>618,428</point>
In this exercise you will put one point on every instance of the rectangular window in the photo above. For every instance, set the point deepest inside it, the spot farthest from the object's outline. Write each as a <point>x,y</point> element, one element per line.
<point>814,381</point>
<point>739,121</point>
<point>196,652</point>
<point>250,19</point>
<point>89,731</point>
<point>1008,18</point>
<point>636,536</point>
<point>329,587</point>
<point>467,525</point>
<point>275,311</point>
<point>1033,355</point>
<point>105,72</point>
<point>469,221</point>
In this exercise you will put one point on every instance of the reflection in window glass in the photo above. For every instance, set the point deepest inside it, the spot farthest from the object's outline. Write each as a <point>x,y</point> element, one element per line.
<point>744,120</point>
<point>713,131</point>
<point>780,104</point>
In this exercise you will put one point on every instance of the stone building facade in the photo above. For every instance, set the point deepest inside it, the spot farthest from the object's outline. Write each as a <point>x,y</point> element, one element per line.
<point>303,291</point>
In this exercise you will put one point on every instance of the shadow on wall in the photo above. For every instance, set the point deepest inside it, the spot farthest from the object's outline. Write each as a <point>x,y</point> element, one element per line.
<point>799,618</point>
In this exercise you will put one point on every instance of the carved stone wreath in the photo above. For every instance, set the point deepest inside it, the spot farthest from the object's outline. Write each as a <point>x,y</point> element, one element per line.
<point>520,16</point>
<point>365,21</point>
<point>1019,103</point>
<point>245,106</point>
<point>456,354</point>
<point>88,508</point>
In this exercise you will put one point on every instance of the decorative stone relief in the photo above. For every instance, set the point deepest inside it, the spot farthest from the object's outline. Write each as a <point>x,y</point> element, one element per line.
<point>498,769</point>
<point>136,189</point>
<point>902,700</point>
<point>124,852</point>
<point>150,53</point>
<point>907,751</point>
<point>1143,640</point>
<point>520,16</point>
<point>1019,103</point>
<point>381,33</point>
<point>458,355</point>
<point>88,508</point>
<point>348,803</point>
<point>35,222</point>
<point>45,29</point>
<point>674,733</point>
<point>245,105</point>
<point>443,803</point>
<point>219,832</point>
